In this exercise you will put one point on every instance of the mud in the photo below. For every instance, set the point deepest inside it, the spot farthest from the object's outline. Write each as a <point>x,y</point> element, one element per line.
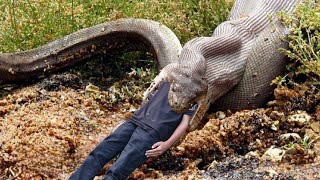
<point>47,129</point>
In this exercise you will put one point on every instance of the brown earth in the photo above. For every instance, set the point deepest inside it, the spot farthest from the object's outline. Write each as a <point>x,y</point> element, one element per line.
<point>48,128</point>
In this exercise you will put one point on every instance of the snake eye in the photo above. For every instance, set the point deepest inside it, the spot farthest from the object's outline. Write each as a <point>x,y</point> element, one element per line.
<point>174,88</point>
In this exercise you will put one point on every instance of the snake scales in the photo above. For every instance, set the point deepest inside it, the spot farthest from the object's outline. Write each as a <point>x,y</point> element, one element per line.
<point>232,69</point>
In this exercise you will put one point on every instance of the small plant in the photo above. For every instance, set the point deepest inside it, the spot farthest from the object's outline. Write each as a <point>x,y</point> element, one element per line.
<point>307,142</point>
<point>304,42</point>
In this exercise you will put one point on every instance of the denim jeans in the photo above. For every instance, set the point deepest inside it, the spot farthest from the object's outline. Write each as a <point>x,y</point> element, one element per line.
<point>129,139</point>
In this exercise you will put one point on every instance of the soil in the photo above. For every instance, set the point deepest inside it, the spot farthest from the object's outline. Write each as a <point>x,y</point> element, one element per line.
<point>48,127</point>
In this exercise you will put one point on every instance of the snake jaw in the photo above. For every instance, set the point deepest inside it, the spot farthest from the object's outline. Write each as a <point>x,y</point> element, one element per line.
<point>203,106</point>
<point>181,95</point>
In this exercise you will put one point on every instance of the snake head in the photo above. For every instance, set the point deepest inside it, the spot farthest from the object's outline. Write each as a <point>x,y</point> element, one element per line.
<point>182,94</point>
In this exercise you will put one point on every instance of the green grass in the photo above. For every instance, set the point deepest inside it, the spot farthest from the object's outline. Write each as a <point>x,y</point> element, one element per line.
<point>32,23</point>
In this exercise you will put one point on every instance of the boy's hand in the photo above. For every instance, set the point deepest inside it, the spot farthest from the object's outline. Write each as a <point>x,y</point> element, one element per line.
<point>158,149</point>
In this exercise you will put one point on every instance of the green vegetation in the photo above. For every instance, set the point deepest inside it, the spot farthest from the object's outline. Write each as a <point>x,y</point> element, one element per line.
<point>31,23</point>
<point>307,142</point>
<point>129,89</point>
<point>304,44</point>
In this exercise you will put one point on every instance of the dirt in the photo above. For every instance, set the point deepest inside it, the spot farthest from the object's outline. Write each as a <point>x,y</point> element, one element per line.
<point>47,128</point>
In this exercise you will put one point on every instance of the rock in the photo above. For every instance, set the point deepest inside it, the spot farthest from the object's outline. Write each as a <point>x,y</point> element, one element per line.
<point>291,150</point>
<point>315,126</point>
<point>300,118</point>
<point>292,136</point>
<point>220,115</point>
<point>276,115</point>
<point>273,154</point>
<point>311,134</point>
<point>316,146</point>
<point>90,88</point>
<point>252,154</point>
<point>275,126</point>
<point>272,173</point>
<point>3,102</point>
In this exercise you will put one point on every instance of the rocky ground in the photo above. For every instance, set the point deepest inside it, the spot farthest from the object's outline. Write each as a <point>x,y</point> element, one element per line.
<point>47,128</point>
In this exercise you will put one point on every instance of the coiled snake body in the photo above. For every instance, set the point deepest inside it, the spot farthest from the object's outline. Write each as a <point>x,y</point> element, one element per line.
<point>232,69</point>
<point>112,37</point>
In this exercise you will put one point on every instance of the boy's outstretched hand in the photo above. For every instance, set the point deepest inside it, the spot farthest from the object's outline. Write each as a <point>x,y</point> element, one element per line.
<point>162,146</point>
<point>158,149</point>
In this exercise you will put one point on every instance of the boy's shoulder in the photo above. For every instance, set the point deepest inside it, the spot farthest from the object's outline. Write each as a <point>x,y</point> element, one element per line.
<point>164,86</point>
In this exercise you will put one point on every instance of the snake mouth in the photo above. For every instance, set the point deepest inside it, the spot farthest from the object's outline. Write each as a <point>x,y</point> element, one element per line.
<point>173,103</point>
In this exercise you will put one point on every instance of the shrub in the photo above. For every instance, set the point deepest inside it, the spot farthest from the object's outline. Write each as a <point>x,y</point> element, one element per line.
<point>304,43</point>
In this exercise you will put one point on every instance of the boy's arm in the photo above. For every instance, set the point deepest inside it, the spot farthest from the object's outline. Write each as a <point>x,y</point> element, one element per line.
<point>161,147</point>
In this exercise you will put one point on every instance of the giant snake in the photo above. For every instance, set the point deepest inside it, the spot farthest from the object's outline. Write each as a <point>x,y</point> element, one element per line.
<point>232,69</point>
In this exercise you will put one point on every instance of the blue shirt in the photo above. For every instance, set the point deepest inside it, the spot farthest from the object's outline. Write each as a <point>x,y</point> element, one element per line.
<point>158,114</point>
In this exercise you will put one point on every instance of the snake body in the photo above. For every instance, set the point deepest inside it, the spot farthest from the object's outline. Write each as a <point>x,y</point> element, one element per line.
<point>265,61</point>
<point>118,36</point>
<point>235,66</point>
<point>232,69</point>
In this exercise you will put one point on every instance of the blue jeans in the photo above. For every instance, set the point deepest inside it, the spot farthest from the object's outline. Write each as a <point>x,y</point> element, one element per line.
<point>129,139</point>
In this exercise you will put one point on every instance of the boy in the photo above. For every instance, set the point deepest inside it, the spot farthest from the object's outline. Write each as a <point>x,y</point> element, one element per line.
<point>152,130</point>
